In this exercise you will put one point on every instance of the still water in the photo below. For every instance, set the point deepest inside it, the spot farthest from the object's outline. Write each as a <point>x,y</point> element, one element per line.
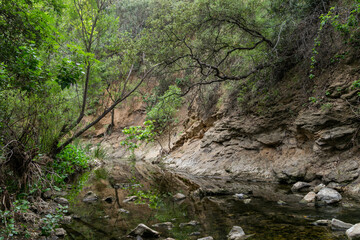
<point>262,218</point>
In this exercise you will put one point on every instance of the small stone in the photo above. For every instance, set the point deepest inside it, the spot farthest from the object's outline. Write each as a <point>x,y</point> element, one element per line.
<point>323,222</point>
<point>195,234</point>
<point>328,196</point>
<point>240,196</point>
<point>236,233</point>
<point>90,197</point>
<point>144,231</point>
<point>179,197</point>
<point>60,232</point>
<point>206,238</point>
<point>340,225</point>
<point>300,185</point>
<point>281,202</point>
<point>353,232</point>
<point>191,223</point>
<point>121,210</point>
<point>167,225</point>
<point>109,199</point>
<point>319,187</point>
<point>130,199</point>
<point>61,200</point>
<point>309,198</point>
<point>335,186</point>
<point>169,239</point>
<point>66,220</point>
<point>247,201</point>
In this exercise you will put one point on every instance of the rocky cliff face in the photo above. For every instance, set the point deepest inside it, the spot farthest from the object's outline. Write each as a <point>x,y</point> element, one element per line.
<point>297,141</point>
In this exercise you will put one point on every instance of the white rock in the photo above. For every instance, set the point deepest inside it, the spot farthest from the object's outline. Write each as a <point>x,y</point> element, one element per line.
<point>206,238</point>
<point>353,232</point>
<point>144,231</point>
<point>309,198</point>
<point>179,197</point>
<point>328,196</point>
<point>300,185</point>
<point>340,225</point>
<point>236,233</point>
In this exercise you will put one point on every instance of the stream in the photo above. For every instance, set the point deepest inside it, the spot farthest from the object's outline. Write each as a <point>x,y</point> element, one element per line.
<point>213,206</point>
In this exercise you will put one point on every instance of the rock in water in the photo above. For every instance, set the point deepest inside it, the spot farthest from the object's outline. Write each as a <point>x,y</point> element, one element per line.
<point>144,231</point>
<point>300,185</point>
<point>328,196</point>
<point>90,197</point>
<point>353,232</point>
<point>322,222</point>
<point>340,225</point>
<point>236,233</point>
<point>179,197</point>
<point>309,198</point>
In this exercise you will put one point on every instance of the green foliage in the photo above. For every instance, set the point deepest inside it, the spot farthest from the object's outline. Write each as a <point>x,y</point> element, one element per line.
<point>71,160</point>
<point>162,114</point>
<point>8,218</point>
<point>138,133</point>
<point>69,73</point>
<point>52,221</point>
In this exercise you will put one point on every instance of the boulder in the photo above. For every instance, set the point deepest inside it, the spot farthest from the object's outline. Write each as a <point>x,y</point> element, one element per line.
<point>328,196</point>
<point>353,232</point>
<point>61,200</point>
<point>144,231</point>
<point>236,233</point>
<point>340,225</point>
<point>300,185</point>
<point>90,197</point>
<point>179,197</point>
<point>309,198</point>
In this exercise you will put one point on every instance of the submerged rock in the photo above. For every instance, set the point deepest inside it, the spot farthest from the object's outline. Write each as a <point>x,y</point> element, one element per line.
<point>328,196</point>
<point>299,186</point>
<point>340,225</point>
<point>353,232</point>
<point>236,233</point>
<point>144,231</point>
<point>179,197</point>
<point>90,197</point>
